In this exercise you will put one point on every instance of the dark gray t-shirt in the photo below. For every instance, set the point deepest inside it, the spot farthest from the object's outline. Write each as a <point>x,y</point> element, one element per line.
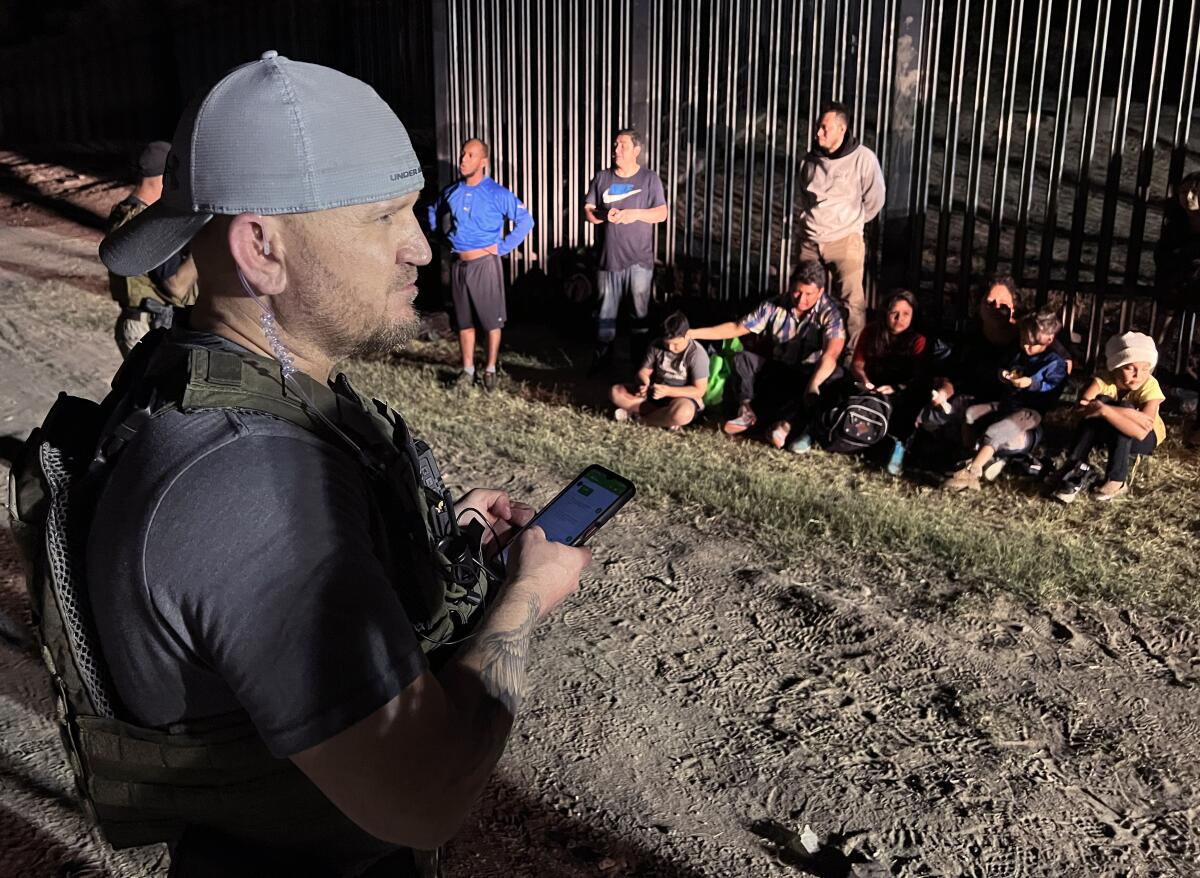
<point>676,370</point>
<point>231,567</point>
<point>630,244</point>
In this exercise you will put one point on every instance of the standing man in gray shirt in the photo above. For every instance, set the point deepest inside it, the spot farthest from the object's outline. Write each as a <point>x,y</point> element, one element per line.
<point>626,201</point>
<point>841,190</point>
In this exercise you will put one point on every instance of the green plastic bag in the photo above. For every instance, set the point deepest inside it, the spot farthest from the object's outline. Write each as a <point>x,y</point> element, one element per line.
<point>720,367</point>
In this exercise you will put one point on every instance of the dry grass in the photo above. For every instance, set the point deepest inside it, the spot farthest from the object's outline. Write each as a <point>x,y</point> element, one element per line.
<point>1137,552</point>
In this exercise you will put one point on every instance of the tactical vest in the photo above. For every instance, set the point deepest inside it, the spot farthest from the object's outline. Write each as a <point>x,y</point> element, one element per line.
<point>143,785</point>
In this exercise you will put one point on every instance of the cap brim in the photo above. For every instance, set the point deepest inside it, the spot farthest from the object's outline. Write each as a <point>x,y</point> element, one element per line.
<point>149,239</point>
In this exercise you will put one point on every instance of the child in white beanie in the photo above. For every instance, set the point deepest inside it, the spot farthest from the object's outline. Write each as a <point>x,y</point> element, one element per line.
<point>1120,411</point>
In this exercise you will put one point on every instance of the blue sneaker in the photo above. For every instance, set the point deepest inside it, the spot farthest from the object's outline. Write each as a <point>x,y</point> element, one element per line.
<point>895,464</point>
<point>802,444</point>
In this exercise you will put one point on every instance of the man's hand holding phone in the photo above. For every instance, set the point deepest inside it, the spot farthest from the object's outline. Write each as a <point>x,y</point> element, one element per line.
<point>545,569</point>
<point>501,515</point>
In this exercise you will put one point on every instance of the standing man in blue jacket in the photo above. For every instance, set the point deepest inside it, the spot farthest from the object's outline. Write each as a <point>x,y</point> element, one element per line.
<point>472,213</point>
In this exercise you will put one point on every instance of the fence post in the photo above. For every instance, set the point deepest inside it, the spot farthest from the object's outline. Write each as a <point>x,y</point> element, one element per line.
<point>639,68</point>
<point>900,266</point>
<point>447,151</point>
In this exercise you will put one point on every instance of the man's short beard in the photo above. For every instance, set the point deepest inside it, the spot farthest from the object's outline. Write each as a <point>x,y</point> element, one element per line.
<point>338,334</point>
<point>386,339</point>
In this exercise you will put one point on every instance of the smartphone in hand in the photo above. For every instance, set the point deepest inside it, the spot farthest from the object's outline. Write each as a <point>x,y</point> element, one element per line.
<point>582,507</point>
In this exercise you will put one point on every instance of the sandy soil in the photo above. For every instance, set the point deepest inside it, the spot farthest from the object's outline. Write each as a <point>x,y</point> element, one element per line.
<point>706,697</point>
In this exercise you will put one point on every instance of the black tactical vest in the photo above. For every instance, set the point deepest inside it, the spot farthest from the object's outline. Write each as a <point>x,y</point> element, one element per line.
<point>144,785</point>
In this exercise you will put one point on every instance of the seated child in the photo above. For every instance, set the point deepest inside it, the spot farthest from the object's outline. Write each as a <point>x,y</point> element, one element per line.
<point>1033,381</point>
<point>1120,411</point>
<point>670,383</point>
<point>890,360</point>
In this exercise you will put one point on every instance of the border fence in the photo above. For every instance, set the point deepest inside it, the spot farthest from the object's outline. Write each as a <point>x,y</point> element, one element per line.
<point>127,79</point>
<point>1044,138</point>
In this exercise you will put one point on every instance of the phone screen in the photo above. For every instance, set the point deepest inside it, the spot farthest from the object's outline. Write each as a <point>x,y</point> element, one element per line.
<point>574,510</point>
<point>593,495</point>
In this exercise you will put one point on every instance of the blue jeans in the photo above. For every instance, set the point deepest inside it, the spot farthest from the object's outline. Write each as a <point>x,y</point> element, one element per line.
<point>612,286</point>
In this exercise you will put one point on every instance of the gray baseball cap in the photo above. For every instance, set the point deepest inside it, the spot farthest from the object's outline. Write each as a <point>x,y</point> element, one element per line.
<point>274,136</point>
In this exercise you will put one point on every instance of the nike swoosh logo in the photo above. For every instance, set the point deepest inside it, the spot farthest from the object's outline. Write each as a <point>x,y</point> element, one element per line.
<point>609,199</point>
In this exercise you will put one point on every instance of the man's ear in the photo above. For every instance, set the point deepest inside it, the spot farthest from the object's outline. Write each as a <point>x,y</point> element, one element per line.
<point>257,250</point>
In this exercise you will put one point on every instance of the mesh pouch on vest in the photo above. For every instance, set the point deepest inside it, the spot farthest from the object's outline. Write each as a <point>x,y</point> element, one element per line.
<point>139,786</point>
<point>855,425</point>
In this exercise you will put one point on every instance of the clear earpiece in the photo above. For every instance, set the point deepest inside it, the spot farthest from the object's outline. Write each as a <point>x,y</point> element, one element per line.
<point>287,366</point>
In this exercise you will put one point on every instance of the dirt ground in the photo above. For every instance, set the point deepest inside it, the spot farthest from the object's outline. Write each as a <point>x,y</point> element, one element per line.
<point>707,705</point>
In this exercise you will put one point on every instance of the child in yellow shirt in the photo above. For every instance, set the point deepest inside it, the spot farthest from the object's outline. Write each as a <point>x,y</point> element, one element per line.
<point>1120,410</point>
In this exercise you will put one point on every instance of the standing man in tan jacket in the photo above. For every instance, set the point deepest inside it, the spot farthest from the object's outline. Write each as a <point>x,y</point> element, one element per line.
<point>841,190</point>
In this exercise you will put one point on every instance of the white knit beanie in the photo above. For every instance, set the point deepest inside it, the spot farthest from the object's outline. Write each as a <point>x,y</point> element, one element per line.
<point>1131,347</point>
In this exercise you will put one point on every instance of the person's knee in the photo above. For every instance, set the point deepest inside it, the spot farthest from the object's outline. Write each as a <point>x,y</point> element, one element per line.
<point>683,411</point>
<point>744,359</point>
<point>976,412</point>
<point>1005,436</point>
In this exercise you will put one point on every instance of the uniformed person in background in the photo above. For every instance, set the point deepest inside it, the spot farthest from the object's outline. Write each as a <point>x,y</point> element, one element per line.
<point>146,299</point>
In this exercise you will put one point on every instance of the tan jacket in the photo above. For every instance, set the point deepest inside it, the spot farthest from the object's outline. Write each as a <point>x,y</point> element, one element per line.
<point>839,195</point>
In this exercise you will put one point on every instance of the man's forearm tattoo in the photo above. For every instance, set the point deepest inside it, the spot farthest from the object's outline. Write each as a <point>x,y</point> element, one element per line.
<point>504,657</point>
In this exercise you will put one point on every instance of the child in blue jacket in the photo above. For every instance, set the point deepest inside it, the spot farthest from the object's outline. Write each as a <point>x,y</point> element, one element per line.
<point>1033,381</point>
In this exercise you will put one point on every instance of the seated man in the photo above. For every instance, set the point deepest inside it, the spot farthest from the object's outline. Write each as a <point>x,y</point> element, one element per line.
<point>671,382</point>
<point>801,337</point>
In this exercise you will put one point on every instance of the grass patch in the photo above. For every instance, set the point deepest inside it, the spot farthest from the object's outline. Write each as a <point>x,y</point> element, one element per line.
<point>1140,551</point>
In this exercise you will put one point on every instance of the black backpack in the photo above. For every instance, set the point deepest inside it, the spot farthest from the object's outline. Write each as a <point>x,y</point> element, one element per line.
<point>856,424</point>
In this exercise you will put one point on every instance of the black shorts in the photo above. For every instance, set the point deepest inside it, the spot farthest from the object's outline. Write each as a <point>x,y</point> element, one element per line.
<point>477,290</point>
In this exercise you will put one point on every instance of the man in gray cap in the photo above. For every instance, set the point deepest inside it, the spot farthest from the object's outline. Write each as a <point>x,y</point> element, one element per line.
<point>276,573</point>
<point>146,299</point>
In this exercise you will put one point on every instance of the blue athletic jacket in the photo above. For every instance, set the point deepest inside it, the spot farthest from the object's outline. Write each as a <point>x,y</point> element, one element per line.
<point>477,215</point>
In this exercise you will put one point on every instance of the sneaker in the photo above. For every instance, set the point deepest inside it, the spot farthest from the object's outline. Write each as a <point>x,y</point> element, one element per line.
<point>743,422</point>
<point>1073,479</point>
<point>779,433</point>
<point>802,444</point>
<point>993,468</point>
<point>963,480</point>
<point>620,416</point>
<point>1110,491</point>
<point>895,465</point>
<point>490,379</point>
<point>466,379</point>
<point>1067,493</point>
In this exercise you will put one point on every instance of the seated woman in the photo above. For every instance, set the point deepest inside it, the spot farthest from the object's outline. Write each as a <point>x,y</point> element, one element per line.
<point>975,371</point>
<point>1033,380</point>
<point>890,359</point>
<point>1120,411</point>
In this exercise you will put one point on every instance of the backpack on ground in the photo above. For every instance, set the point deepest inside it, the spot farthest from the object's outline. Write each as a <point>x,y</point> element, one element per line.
<point>720,370</point>
<point>856,424</point>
